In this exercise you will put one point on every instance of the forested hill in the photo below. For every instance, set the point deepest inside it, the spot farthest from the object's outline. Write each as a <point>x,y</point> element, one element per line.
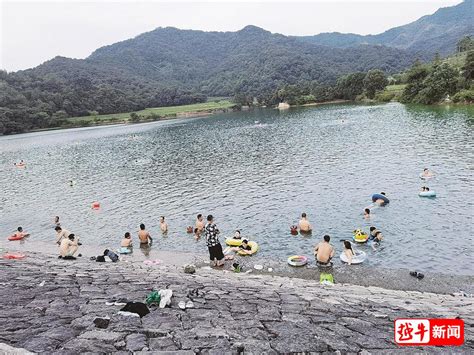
<point>431,34</point>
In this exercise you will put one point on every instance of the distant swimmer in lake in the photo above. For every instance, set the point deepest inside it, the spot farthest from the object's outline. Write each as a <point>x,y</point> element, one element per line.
<point>367,214</point>
<point>20,233</point>
<point>199,223</point>
<point>380,199</point>
<point>426,174</point>
<point>304,224</point>
<point>163,225</point>
<point>324,251</point>
<point>56,222</point>
<point>126,241</point>
<point>144,236</point>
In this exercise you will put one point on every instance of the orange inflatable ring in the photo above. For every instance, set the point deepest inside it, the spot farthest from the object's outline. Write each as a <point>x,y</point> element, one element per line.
<point>14,256</point>
<point>95,205</point>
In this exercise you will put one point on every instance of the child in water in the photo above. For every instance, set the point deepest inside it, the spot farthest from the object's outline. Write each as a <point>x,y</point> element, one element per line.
<point>126,241</point>
<point>348,251</point>
<point>237,234</point>
<point>20,233</point>
<point>375,237</point>
<point>367,213</point>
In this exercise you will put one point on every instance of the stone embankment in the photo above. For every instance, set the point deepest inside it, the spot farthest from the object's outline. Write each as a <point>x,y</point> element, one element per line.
<point>55,306</point>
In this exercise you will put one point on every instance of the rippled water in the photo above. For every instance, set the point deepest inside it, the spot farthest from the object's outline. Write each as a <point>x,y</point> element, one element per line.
<point>256,171</point>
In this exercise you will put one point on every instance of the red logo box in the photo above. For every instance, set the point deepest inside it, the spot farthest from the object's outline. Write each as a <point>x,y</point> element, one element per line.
<point>429,332</point>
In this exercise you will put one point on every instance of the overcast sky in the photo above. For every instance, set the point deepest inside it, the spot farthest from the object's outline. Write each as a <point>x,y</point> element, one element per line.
<point>35,31</point>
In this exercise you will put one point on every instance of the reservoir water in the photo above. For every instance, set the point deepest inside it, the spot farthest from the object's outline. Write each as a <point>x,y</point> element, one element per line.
<point>256,171</point>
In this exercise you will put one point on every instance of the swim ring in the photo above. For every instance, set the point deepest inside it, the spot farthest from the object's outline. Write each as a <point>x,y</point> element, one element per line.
<point>426,177</point>
<point>124,250</point>
<point>14,256</point>
<point>233,242</point>
<point>427,194</point>
<point>358,258</point>
<point>297,260</point>
<point>376,197</point>
<point>254,249</point>
<point>16,237</point>
<point>360,236</point>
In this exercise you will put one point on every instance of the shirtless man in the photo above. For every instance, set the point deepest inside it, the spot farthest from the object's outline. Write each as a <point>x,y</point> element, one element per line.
<point>427,173</point>
<point>163,225</point>
<point>200,223</point>
<point>144,236</point>
<point>304,224</point>
<point>324,251</point>
<point>61,233</point>
<point>69,247</point>
<point>21,233</point>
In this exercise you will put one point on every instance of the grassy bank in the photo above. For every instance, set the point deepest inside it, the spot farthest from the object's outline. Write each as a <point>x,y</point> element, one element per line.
<point>151,114</point>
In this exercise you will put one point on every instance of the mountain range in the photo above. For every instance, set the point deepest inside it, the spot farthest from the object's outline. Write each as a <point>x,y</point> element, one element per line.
<point>169,66</point>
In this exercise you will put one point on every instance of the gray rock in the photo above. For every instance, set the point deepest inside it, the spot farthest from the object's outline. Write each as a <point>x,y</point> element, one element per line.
<point>80,345</point>
<point>102,335</point>
<point>102,323</point>
<point>136,342</point>
<point>190,269</point>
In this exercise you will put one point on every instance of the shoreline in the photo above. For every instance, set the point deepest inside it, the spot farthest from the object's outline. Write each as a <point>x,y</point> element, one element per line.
<point>359,275</point>
<point>61,306</point>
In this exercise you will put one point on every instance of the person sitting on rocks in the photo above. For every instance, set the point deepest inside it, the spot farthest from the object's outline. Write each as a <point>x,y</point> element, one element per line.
<point>324,251</point>
<point>304,224</point>
<point>126,241</point>
<point>69,247</point>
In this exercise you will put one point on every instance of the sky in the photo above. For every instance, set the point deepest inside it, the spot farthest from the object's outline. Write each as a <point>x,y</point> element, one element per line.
<point>35,31</point>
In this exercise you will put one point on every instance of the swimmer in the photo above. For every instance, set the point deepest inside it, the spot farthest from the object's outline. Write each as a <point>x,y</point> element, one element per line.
<point>244,247</point>
<point>200,223</point>
<point>126,241</point>
<point>367,214</point>
<point>56,221</point>
<point>427,173</point>
<point>237,234</point>
<point>348,251</point>
<point>324,251</point>
<point>197,234</point>
<point>163,225</point>
<point>423,189</point>
<point>144,236</point>
<point>304,224</point>
<point>21,163</point>
<point>375,236</point>
<point>379,201</point>
<point>61,234</point>
<point>20,234</point>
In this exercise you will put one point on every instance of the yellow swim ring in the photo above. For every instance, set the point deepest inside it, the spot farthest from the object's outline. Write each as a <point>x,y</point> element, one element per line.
<point>233,242</point>
<point>254,249</point>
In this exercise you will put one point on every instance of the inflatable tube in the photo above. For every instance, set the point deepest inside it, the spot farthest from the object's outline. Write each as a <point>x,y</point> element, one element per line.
<point>358,258</point>
<point>95,205</point>
<point>14,256</point>
<point>426,177</point>
<point>360,237</point>
<point>254,249</point>
<point>297,260</point>
<point>376,197</point>
<point>233,242</point>
<point>15,237</point>
<point>427,194</point>
<point>124,250</point>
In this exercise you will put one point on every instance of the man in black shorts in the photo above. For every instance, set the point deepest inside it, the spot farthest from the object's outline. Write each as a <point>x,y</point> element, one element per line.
<point>215,249</point>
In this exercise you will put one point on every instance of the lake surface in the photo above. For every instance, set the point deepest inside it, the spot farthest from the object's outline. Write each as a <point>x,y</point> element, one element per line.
<point>256,171</point>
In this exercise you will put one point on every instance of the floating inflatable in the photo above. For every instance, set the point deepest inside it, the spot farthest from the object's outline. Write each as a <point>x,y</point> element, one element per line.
<point>95,205</point>
<point>294,230</point>
<point>124,250</point>
<point>254,249</point>
<point>16,237</point>
<point>297,260</point>
<point>358,258</point>
<point>426,177</point>
<point>14,256</point>
<point>233,242</point>
<point>360,236</point>
<point>376,197</point>
<point>20,165</point>
<point>427,194</point>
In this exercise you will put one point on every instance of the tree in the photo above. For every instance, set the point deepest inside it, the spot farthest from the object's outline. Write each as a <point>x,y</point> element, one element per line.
<point>134,117</point>
<point>468,68</point>
<point>465,44</point>
<point>350,86</point>
<point>440,82</point>
<point>374,81</point>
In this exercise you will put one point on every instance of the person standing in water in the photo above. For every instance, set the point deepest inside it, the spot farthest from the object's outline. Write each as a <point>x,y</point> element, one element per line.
<point>163,225</point>
<point>427,173</point>
<point>144,236</point>
<point>212,240</point>
<point>199,223</point>
<point>304,224</point>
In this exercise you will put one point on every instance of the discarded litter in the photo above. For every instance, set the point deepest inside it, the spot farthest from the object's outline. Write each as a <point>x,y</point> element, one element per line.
<point>165,297</point>
<point>42,283</point>
<point>153,299</point>
<point>258,267</point>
